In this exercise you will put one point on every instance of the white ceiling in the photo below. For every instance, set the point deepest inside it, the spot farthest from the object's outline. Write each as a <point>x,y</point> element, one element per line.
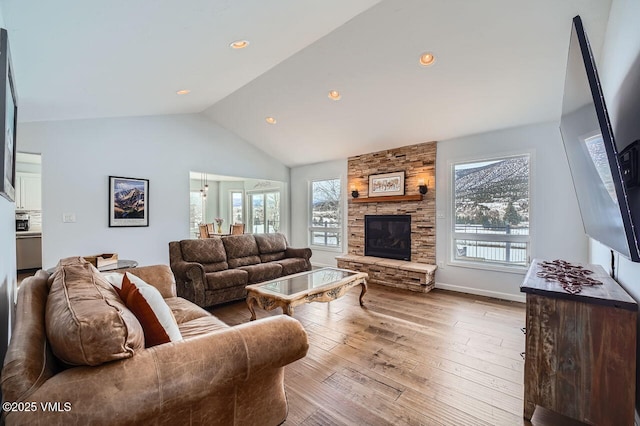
<point>500,63</point>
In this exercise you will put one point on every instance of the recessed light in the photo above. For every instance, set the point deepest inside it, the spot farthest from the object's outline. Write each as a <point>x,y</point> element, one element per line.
<point>239,44</point>
<point>270,120</point>
<point>335,95</point>
<point>427,59</point>
<point>183,92</point>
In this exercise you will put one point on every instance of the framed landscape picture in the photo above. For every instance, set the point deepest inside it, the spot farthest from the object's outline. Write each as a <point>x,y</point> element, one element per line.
<point>386,184</point>
<point>8,118</point>
<point>128,202</point>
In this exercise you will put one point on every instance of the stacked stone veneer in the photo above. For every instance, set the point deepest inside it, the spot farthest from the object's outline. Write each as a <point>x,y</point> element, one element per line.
<point>418,162</point>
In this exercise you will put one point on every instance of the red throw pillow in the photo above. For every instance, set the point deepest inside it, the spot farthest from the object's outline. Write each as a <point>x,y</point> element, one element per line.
<point>147,304</point>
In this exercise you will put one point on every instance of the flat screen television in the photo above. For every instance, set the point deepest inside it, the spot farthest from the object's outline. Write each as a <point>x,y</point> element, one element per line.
<point>587,134</point>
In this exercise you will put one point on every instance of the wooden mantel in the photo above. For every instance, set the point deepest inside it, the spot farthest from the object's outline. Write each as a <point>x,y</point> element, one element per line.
<point>389,198</point>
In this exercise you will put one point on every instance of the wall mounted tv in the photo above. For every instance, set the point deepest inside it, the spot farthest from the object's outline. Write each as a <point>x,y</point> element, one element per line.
<point>606,209</point>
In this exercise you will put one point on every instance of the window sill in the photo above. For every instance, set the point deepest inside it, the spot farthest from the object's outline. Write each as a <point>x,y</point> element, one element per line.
<point>325,248</point>
<point>519,270</point>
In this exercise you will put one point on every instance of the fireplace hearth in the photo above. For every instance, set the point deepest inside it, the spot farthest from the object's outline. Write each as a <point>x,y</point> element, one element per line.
<point>388,236</point>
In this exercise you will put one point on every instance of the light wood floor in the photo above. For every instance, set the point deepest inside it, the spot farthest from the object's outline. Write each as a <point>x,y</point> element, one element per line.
<point>407,359</point>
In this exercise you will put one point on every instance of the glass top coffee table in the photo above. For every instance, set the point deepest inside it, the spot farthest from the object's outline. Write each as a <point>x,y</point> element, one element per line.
<point>318,285</point>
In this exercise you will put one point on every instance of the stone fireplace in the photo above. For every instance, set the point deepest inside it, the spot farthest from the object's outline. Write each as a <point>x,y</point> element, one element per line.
<point>418,164</point>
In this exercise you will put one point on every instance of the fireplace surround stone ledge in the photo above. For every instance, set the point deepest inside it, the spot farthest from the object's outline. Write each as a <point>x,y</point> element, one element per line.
<point>394,273</point>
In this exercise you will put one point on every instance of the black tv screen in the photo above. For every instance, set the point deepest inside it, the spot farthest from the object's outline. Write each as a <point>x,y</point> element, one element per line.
<point>592,154</point>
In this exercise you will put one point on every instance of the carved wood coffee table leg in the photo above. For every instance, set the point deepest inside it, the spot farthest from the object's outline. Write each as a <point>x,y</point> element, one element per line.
<point>251,301</point>
<point>364,290</point>
<point>287,309</point>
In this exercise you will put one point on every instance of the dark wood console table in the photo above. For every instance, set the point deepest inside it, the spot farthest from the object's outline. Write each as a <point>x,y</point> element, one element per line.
<point>580,358</point>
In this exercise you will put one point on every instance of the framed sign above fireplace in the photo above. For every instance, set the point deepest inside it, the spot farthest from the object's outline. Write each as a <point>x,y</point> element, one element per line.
<point>386,184</point>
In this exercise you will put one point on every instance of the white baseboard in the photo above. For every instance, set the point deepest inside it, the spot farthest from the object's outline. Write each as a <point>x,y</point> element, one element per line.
<point>321,265</point>
<point>481,292</point>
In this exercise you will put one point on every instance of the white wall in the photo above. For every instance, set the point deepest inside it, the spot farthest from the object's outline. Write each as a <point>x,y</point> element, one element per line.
<point>300,200</point>
<point>556,222</point>
<point>7,257</point>
<point>620,78</point>
<point>556,226</point>
<point>78,156</point>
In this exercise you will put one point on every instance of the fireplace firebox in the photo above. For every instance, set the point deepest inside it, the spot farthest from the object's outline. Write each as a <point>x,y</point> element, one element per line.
<point>387,236</point>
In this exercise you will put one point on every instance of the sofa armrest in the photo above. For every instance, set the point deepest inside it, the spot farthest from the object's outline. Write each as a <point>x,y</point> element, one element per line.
<point>190,277</point>
<point>165,381</point>
<point>159,276</point>
<point>304,253</point>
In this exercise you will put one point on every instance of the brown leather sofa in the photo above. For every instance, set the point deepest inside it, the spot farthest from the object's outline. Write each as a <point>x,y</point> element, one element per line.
<point>216,270</point>
<point>216,375</point>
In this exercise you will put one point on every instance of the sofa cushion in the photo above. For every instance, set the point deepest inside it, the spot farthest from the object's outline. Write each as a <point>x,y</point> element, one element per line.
<point>215,267</point>
<point>85,320</point>
<point>293,265</point>
<point>184,311</point>
<point>200,326</point>
<point>207,250</point>
<point>147,304</point>
<point>271,246</point>
<point>272,257</point>
<point>225,279</point>
<point>241,250</point>
<point>263,272</point>
<point>271,243</point>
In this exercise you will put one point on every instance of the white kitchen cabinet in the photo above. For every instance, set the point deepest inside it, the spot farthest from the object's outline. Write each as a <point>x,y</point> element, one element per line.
<point>28,191</point>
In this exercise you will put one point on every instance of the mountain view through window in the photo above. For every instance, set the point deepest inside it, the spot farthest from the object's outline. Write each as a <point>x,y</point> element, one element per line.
<point>492,211</point>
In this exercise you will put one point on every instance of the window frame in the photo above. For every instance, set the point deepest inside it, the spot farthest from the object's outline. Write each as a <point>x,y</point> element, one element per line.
<point>244,202</point>
<point>249,209</point>
<point>452,235</point>
<point>338,230</point>
<point>193,232</point>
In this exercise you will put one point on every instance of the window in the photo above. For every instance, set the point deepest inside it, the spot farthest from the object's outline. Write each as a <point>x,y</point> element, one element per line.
<point>196,212</point>
<point>326,213</point>
<point>491,212</point>
<point>237,207</point>
<point>264,212</point>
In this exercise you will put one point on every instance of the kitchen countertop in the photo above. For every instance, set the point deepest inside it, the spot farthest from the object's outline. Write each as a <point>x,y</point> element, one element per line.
<point>25,234</point>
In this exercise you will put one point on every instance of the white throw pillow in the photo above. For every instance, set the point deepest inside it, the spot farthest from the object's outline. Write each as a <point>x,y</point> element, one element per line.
<point>149,307</point>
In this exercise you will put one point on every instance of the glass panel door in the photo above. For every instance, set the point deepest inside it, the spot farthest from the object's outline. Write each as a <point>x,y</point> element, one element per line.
<point>264,212</point>
<point>273,211</point>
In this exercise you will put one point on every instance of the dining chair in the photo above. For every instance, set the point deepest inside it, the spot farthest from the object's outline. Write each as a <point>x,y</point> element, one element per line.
<point>237,228</point>
<point>204,230</point>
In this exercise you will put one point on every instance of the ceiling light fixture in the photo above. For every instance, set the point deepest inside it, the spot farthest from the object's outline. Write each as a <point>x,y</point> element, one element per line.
<point>427,59</point>
<point>270,120</point>
<point>239,44</point>
<point>183,92</point>
<point>204,185</point>
<point>334,95</point>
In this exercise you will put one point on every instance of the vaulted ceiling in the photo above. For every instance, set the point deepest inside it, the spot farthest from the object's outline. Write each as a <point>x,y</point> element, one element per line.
<point>499,64</point>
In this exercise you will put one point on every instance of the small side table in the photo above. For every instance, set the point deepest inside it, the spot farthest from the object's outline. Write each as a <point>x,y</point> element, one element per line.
<point>122,264</point>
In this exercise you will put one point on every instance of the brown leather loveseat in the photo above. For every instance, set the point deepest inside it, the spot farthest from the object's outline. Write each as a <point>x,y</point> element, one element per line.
<point>216,270</point>
<point>214,375</point>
